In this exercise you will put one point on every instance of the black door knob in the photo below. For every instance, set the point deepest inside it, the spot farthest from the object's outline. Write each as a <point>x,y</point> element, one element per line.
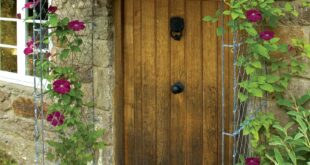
<point>178,87</point>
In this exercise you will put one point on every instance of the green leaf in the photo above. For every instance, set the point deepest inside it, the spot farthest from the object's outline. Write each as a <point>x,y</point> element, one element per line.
<point>292,156</point>
<point>219,31</point>
<point>261,79</point>
<point>288,7</point>
<point>242,97</point>
<point>256,64</point>
<point>274,40</point>
<point>75,49</point>
<point>234,15</point>
<point>249,70</point>
<point>251,31</point>
<point>295,13</point>
<point>272,78</point>
<point>267,87</point>
<point>307,50</point>
<point>302,100</point>
<point>226,12</point>
<point>208,18</point>
<point>298,136</point>
<point>278,156</point>
<point>256,92</point>
<point>284,102</point>
<point>283,48</point>
<point>66,99</point>
<point>53,20</point>
<point>64,54</point>
<point>261,50</point>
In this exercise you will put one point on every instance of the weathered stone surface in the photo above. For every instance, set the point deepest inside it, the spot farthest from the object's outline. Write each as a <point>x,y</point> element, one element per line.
<point>5,105</point>
<point>103,53</point>
<point>3,95</point>
<point>103,87</point>
<point>286,33</point>
<point>103,120</point>
<point>304,15</point>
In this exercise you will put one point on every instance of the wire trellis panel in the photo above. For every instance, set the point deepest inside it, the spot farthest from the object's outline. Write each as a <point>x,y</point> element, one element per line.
<point>81,62</point>
<point>243,112</point>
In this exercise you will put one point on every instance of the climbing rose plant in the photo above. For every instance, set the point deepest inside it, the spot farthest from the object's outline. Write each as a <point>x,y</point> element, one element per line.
<point>257,22</point>
<point>77,139</point>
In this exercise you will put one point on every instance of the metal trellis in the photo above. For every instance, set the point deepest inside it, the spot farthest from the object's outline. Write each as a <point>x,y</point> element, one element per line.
<point>81,62</point>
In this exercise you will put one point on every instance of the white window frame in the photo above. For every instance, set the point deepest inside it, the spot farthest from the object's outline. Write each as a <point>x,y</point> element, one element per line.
<point>20,77</point>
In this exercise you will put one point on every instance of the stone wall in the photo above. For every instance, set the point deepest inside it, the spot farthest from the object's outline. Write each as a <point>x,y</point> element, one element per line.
<point>16,101</point>
<point>16,128</point>
<point>292,27</point>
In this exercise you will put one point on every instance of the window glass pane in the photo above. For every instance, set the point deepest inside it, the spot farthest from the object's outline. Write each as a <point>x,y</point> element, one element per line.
<point>8,32</point>
<point>8,59</point>
<point>8,8</point>
<point>44,5</point>
<point>29,65</point>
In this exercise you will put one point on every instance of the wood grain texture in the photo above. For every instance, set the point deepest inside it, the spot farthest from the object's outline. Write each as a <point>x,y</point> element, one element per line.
<point>149,82</point>
<point>160,127</point>
<point>193,51</point>
<point>119,83</point>
<point>178,102</point>
<point>137,66</point>
<point>129,83</point>
<point>210,92</point>
<point>162,82</point>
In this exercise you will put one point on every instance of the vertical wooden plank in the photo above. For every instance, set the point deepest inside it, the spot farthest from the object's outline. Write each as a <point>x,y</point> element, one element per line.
<point>129,83</point>
<point>149,82</point>
<point>119,83</point>
<point>193,54</point>
<point>138,82</point>
<point>163,82</point>
<point>230,96</point>
<point>210,86</point>
<point>178,101</point>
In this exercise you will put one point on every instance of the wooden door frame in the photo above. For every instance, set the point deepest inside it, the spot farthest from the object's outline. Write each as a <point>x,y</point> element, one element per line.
<point>118,102</point>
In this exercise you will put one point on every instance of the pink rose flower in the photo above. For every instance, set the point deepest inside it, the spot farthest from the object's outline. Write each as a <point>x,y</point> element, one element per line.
<point>28,51</point>
<point>254,15</point>
<point>266,35</point>
<point>62,86</point>
<point>28,5</point>
<point>56,118</point>
<point>30,43</point>
<point>76,25</point>
<point>18,15</point>
<point>252,161</point>
<point>52,9</point>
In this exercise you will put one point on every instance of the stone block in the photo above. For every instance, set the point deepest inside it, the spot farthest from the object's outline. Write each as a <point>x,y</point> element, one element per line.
<point>103,120</point>
<point>106,156</point>
<point>24,107</point>
<point>3,96</point>
<point>103,87</point>
<point>298,87</point>
<point>5,105</point>
<point>286,33</point>
<point>103,53</point>
<point>103,28</point>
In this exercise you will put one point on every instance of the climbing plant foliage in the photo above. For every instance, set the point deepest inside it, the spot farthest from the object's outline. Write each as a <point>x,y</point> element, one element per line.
<point>77,139</point>
<point>270,64</point>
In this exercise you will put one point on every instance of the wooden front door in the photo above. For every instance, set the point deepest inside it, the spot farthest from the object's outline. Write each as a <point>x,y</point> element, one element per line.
<point>161,127</point>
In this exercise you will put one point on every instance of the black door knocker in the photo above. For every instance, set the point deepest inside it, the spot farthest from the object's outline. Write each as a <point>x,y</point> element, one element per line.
<point>176,27</point>
<point>177,87</point>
